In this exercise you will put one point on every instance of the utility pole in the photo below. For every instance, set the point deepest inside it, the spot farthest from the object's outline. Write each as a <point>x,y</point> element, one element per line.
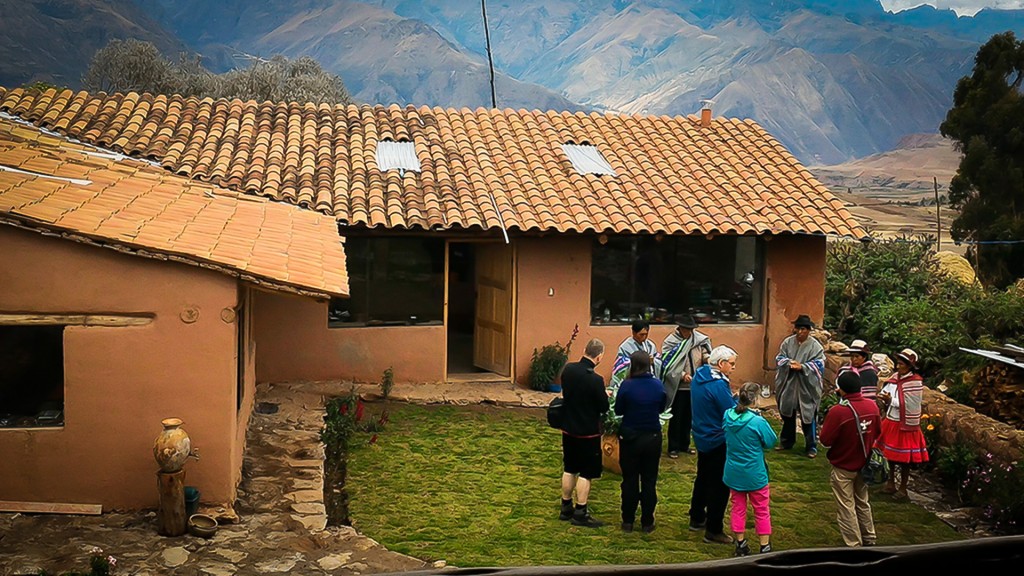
<point>938,221</point>
<point>490,61</point>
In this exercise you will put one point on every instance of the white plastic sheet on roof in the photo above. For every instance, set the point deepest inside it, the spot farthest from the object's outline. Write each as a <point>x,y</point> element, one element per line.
<point>587,160</point>
<point>397,155</point>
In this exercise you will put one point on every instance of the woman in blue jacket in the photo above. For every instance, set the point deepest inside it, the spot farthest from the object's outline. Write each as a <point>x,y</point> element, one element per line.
<point>640,401</point>
<point>747,436</point>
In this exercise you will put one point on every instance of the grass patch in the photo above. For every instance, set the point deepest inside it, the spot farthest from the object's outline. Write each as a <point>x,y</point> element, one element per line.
<point>479,486</point>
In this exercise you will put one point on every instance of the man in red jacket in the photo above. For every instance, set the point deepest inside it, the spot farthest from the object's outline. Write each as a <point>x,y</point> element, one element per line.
<point>849,431</point>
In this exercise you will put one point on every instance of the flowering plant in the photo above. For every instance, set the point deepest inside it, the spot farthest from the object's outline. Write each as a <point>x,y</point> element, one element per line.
<point>996,486</point>
<point>99,565</point>
<point>931,428</point>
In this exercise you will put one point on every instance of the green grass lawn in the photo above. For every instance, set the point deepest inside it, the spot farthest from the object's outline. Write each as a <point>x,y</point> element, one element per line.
<point>479,486</point>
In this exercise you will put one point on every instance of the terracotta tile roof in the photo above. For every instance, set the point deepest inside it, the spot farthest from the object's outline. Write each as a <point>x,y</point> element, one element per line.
<point>480,168</point>
<point>53,185</point>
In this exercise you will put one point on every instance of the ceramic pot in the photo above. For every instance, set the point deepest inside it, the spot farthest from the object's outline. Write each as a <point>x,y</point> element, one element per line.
<point>172,446</point>
<point>610,453</point>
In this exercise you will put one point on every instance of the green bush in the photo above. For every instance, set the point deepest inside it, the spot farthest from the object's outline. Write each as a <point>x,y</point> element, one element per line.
<point>859,276</point>
<point>546,365</point>
<point>995,486</point>
<point>953,464</point>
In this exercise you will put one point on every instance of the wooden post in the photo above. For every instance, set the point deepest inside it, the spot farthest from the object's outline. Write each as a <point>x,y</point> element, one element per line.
<point>938,220</point>
<point>170,515</point>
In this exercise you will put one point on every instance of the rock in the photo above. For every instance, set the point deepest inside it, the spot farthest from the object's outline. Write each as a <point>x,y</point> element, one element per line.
<point>835,347</point>
<point>334,561</point>
<point>313,523</point>
<point>358,567</point>
<point>884,365</point>
<point>309,508</point>
<point>439,564</point>
<point>820,335</point>
<point>279,565</point>
<point>174,557</point>
<point>305,496</point>
<point>217,569</point>
<point>235,556</point>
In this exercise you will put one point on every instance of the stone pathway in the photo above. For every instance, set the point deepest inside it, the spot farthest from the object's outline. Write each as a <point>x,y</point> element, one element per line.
<point>280,522</point>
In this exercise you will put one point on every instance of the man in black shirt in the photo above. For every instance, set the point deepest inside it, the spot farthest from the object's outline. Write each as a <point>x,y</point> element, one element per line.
<point>586,402</point>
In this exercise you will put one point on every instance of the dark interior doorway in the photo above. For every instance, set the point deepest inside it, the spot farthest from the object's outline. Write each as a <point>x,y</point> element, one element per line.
<point>461,307</point>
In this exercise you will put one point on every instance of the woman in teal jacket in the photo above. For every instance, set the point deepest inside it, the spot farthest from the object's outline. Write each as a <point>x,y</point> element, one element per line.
<point>747,436</point>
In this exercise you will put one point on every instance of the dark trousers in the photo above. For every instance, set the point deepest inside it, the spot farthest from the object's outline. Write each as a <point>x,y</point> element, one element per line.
<point>710,494</point>
<point>679,425</point>
<point>639,457</point>
<point>788,437</point>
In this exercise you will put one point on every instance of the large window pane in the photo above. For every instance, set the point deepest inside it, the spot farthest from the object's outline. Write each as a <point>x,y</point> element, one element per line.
<point>392,281</point>
<point>663,278</point>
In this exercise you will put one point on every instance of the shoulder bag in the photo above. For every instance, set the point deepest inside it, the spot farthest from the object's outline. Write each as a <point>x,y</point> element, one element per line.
<point>874,470</point>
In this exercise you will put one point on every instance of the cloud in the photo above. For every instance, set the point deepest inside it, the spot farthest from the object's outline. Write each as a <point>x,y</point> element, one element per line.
<point>961,7</point>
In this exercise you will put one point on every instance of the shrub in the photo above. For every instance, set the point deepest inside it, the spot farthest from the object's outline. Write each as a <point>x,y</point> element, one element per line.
<point>546,364</point>
<point>996,487</point>
<point>859,276</point>
<point>954,464</point>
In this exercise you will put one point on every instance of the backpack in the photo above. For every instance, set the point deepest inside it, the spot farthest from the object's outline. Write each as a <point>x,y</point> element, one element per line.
<point>555,412</point>
<point>875,470</point>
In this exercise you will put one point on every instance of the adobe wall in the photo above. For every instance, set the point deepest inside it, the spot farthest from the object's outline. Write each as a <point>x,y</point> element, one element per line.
<point>120,382</point>
<point>795,272</point>
<point>295,343</point>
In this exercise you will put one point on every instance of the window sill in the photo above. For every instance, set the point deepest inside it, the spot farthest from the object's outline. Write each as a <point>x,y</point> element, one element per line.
<point>396,324</point>
<point>30,428</point>
<point>699,324</point>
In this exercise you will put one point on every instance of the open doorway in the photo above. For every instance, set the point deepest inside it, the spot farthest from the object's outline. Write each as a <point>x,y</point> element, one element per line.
<point>461,307</point>
<point>479,324</point>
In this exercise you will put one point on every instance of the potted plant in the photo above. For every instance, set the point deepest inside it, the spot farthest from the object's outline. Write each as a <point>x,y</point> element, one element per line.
<point>547,363</point>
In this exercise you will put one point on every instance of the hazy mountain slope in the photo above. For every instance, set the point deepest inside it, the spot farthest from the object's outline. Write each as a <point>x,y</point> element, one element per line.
<point>382,57</point>
<point>912,164</point>
<point>54,40</point>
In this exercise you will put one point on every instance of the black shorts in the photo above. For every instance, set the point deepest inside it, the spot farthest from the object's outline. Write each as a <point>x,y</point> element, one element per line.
<point>582,456</point>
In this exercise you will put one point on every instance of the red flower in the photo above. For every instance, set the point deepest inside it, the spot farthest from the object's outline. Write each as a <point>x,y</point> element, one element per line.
<point>359,410</point>
<point>373,439</point>
<point>343,409</point>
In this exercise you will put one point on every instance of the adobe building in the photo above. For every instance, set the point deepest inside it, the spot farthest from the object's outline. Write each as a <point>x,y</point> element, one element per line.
<point>474,237</point>
<point>127,296</point>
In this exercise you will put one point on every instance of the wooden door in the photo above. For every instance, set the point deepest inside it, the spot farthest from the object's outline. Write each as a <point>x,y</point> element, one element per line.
<point>492,331</point>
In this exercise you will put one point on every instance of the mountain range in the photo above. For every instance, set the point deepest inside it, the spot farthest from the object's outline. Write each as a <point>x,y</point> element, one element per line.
<point>834,80</point>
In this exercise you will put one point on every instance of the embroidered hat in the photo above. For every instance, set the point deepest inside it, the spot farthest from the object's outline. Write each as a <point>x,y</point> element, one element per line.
<point>859,347</point>
<point>908,356</point>
<point>803,321</point>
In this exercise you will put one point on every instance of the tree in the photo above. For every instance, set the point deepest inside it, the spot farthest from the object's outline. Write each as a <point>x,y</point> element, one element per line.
<point>129,66</point>
<point>986,124</point>
<point>137,66</point>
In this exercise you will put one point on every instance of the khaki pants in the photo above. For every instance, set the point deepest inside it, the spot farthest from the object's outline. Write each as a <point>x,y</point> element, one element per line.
<point>851,494</point>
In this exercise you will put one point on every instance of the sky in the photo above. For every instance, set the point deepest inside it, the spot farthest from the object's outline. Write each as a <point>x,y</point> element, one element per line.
<point>961,7</point>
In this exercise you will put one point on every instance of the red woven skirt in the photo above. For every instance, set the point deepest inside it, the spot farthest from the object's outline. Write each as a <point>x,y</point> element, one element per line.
<point>901,445</point>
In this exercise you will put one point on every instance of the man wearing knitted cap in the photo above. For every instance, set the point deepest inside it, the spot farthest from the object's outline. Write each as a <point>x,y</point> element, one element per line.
<point>849,431</point>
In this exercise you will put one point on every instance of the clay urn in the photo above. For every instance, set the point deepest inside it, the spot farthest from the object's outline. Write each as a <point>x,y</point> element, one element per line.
<point>172,447</point>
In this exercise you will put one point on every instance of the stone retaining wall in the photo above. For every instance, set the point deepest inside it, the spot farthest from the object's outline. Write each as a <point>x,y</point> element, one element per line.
<point>986,435</point>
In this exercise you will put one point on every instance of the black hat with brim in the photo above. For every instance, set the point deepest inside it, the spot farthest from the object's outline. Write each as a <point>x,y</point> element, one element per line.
<point>803,321</point>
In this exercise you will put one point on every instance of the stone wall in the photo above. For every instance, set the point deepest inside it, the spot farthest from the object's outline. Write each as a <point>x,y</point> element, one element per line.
<point>986,435</point>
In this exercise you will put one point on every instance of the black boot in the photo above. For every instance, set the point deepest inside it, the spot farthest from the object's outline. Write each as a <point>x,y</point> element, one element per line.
<point>566,512</point>
<point>742,548</point>
<point>581,517</point>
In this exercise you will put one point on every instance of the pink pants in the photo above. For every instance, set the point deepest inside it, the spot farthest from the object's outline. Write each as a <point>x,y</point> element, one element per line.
<point>762,514</point>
